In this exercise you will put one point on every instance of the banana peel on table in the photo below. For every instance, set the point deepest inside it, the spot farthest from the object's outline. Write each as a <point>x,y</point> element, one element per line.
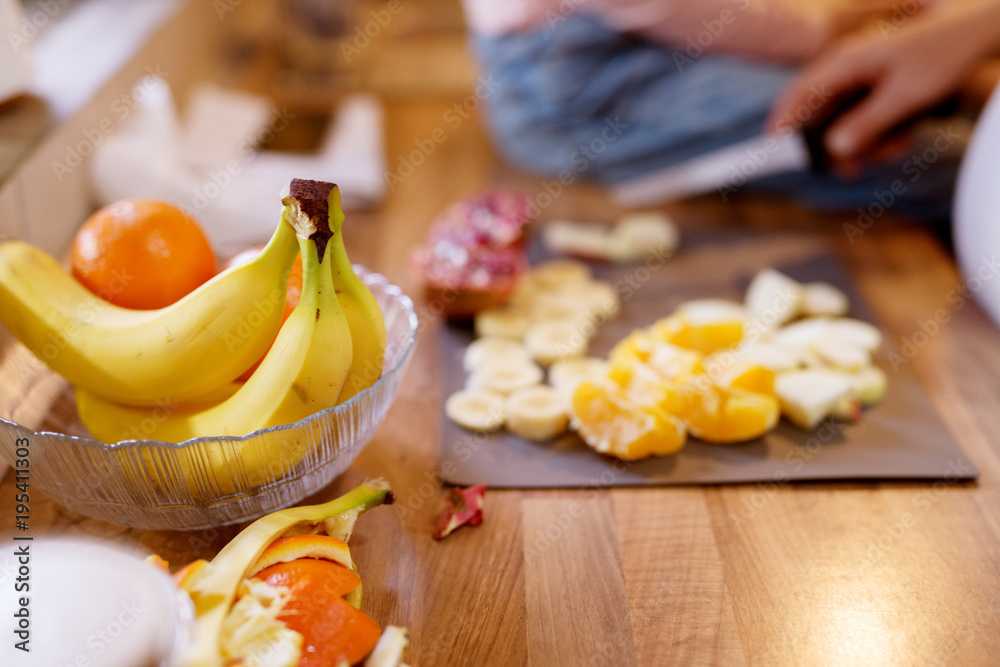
<point>214,586</point>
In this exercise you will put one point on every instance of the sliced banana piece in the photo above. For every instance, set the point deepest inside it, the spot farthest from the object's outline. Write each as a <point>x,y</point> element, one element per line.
<point>483,350</point>
<point>537,413</point>
<point>549,342</point>
<point>476,409</point>
<point>505,375</point>
<point>819,299</point>
<point>558,272</point>
<point>583,239</point>
<point>566,375</point>
<point>595,299</point>
<point>502,322</point>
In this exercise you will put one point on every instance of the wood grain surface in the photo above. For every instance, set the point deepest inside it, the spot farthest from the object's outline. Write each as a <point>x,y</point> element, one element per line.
<point>770,574</point>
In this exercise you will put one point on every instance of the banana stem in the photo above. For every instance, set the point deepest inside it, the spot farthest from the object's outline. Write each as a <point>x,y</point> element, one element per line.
<point>307,208</point>
<point>214,592</point>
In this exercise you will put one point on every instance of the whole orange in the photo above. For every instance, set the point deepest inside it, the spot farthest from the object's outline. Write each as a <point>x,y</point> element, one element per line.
<point>142,254</point>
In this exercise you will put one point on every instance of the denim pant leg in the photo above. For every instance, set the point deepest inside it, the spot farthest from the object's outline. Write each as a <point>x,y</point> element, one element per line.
<point>581,100</point>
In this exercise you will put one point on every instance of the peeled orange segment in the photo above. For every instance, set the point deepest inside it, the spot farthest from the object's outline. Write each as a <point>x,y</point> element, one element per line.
<point>700,334</point>
<point>292,547</point>
<point>748,377</point>
<point>611,424</point>
<point>333,632</point>
<point>673,363</point>
<point>637,346</point>
<point>717,414</point>
<point>644,386</point>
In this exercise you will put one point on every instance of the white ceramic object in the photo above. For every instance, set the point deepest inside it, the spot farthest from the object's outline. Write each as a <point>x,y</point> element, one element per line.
<point>976,224</point>
<point>89,602</point>
<point>15,73</point>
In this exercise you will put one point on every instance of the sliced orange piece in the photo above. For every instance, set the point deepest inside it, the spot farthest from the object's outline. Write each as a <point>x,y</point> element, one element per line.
<point>636,347</point>
<point>725,415</point>
<point>612,424</point>
<point>292,547</point>
<point>644,386</point>
<point>704,337</point>
<point>333,632</point>
<point>673,362</point>
<point>187,574</point>
<point>752,378</point>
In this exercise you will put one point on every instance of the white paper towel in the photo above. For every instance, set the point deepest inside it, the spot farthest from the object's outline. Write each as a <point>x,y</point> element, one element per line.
<point>210,166</point>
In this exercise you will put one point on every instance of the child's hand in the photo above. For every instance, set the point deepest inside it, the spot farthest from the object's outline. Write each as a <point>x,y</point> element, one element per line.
<point>908,68</point>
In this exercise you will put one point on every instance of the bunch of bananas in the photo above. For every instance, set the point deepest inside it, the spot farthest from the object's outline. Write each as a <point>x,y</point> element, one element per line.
<point>169,374</point>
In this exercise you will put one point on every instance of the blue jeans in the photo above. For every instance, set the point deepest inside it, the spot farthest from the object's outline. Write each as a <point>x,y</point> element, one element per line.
<point>612,107</point>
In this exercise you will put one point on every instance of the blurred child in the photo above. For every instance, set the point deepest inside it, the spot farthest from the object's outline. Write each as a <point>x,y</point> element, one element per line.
<point>614,91</point>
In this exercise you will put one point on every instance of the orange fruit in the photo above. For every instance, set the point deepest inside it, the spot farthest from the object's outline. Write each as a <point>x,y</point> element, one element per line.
<point>613,424</point>
<point>333,632</point>
<point>293,547</point>
<point>186,574</point>
<point>702,336</point>
<point>725,414</point>
<point>292,296</point>
<point>142,254</point>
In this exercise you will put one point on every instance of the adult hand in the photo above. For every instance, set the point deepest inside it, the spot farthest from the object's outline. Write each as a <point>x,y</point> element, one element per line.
<point>907,68</point>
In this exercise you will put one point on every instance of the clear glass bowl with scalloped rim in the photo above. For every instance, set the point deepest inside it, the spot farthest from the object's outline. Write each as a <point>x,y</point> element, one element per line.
<point>201,482</point>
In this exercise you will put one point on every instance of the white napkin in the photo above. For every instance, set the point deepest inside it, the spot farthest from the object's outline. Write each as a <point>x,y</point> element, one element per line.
<point>209,164</point>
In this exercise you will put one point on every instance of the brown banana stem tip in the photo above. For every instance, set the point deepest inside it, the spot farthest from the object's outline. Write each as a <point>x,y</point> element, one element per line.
<point>310,211</point>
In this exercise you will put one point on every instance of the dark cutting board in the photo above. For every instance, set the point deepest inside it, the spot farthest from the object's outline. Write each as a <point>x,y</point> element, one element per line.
<point>900,438</point>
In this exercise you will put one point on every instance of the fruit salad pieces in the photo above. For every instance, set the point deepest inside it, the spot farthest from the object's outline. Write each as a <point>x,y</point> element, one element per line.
<point>463,507</point>
<point>552,315</point>
<point>716,370</point>
<point>635,236</point>
<point>474,253</point>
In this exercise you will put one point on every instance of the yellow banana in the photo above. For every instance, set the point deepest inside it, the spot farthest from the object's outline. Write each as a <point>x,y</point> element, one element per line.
<point>360,307</point>
<point>146,357</point>
<point>303,372</point>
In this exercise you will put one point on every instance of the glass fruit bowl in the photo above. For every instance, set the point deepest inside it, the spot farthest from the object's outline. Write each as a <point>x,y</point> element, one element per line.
<point>201,482</point>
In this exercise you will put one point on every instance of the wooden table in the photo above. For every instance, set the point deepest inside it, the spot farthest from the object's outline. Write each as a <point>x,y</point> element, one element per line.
<point>793,574</point>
